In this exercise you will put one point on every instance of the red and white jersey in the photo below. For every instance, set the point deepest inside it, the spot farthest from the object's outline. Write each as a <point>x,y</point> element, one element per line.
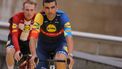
<point>21,29</point>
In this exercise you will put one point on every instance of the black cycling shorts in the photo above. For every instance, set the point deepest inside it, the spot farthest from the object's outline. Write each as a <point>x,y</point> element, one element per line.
<point>24,45</point>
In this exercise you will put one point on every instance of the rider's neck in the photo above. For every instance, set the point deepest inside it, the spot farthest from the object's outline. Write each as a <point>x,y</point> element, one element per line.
<point>51,17</point>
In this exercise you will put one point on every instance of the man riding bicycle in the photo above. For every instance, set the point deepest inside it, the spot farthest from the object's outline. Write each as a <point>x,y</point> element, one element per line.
<point>53,30</point>
<point>19,37</point>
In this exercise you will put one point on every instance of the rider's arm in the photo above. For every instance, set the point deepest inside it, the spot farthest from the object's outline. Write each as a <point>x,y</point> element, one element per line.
<point>14,32</point>
<point>67,32</point>
<point>69,39</point>
<point>35,32</point>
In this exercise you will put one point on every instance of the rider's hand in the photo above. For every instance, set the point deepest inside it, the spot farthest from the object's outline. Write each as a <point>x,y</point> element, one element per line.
<point>33,64</point>
<point>71,62</point>
<point>17,56</point>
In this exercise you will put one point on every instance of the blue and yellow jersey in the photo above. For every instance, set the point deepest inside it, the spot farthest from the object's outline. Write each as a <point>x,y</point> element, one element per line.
<point>52,30</point>
<point>66,23</point>
<point>38,21</point>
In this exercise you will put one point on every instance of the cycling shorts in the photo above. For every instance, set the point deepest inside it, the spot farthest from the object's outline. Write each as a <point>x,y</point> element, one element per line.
<point>24,45</point>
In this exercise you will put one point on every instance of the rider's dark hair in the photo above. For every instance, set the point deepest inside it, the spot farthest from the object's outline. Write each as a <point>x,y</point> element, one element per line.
<point>48,1</point>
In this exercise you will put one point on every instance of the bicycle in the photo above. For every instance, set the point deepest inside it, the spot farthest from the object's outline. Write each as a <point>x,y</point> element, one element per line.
<point>24,62</point>
<point>51,62</point>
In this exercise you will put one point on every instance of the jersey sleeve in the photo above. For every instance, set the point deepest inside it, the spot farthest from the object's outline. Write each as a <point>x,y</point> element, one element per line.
<point>14,32</point>
<point>67,25</point>
<point>38,21</point>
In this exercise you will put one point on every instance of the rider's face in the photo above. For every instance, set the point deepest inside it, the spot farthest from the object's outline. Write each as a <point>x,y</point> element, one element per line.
<point>29,11</point>
<point>50,9</point>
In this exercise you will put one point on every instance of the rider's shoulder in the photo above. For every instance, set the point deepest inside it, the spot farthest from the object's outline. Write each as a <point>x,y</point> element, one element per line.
<point>61,13</point>
<point>38,18</point>
<point>18,16</point>
<point>38,15</point>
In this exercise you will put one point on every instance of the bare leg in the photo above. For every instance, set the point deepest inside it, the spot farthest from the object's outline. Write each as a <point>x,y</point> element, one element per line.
<point>10,57</point>
<point>60,65</point>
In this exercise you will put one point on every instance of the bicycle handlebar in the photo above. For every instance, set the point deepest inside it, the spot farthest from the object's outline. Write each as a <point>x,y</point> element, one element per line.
<point>26,58</point>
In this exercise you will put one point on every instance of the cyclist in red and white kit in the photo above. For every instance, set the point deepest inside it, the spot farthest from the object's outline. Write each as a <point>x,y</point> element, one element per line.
<point>19,37</point>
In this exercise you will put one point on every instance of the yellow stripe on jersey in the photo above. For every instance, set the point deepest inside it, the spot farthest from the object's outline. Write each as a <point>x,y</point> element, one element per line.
<point>68,31</point>
<point>14,31</point>
<point>36,26</point>
<point>65,48</point>
<point>38,21</point>
<point>38,18</point>
<point>68,25</point>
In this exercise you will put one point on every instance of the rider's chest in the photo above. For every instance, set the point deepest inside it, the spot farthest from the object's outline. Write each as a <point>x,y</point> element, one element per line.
<point>51,26</point>
<point>25,25</point>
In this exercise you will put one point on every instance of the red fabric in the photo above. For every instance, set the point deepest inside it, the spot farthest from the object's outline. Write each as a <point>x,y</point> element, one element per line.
<point>52,34</point>
<point>18,18</point>
<point>34,34</point>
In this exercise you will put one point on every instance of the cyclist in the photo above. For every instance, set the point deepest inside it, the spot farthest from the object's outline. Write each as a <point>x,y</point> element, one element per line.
<point>53,29</point>
<point>19,37</point>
